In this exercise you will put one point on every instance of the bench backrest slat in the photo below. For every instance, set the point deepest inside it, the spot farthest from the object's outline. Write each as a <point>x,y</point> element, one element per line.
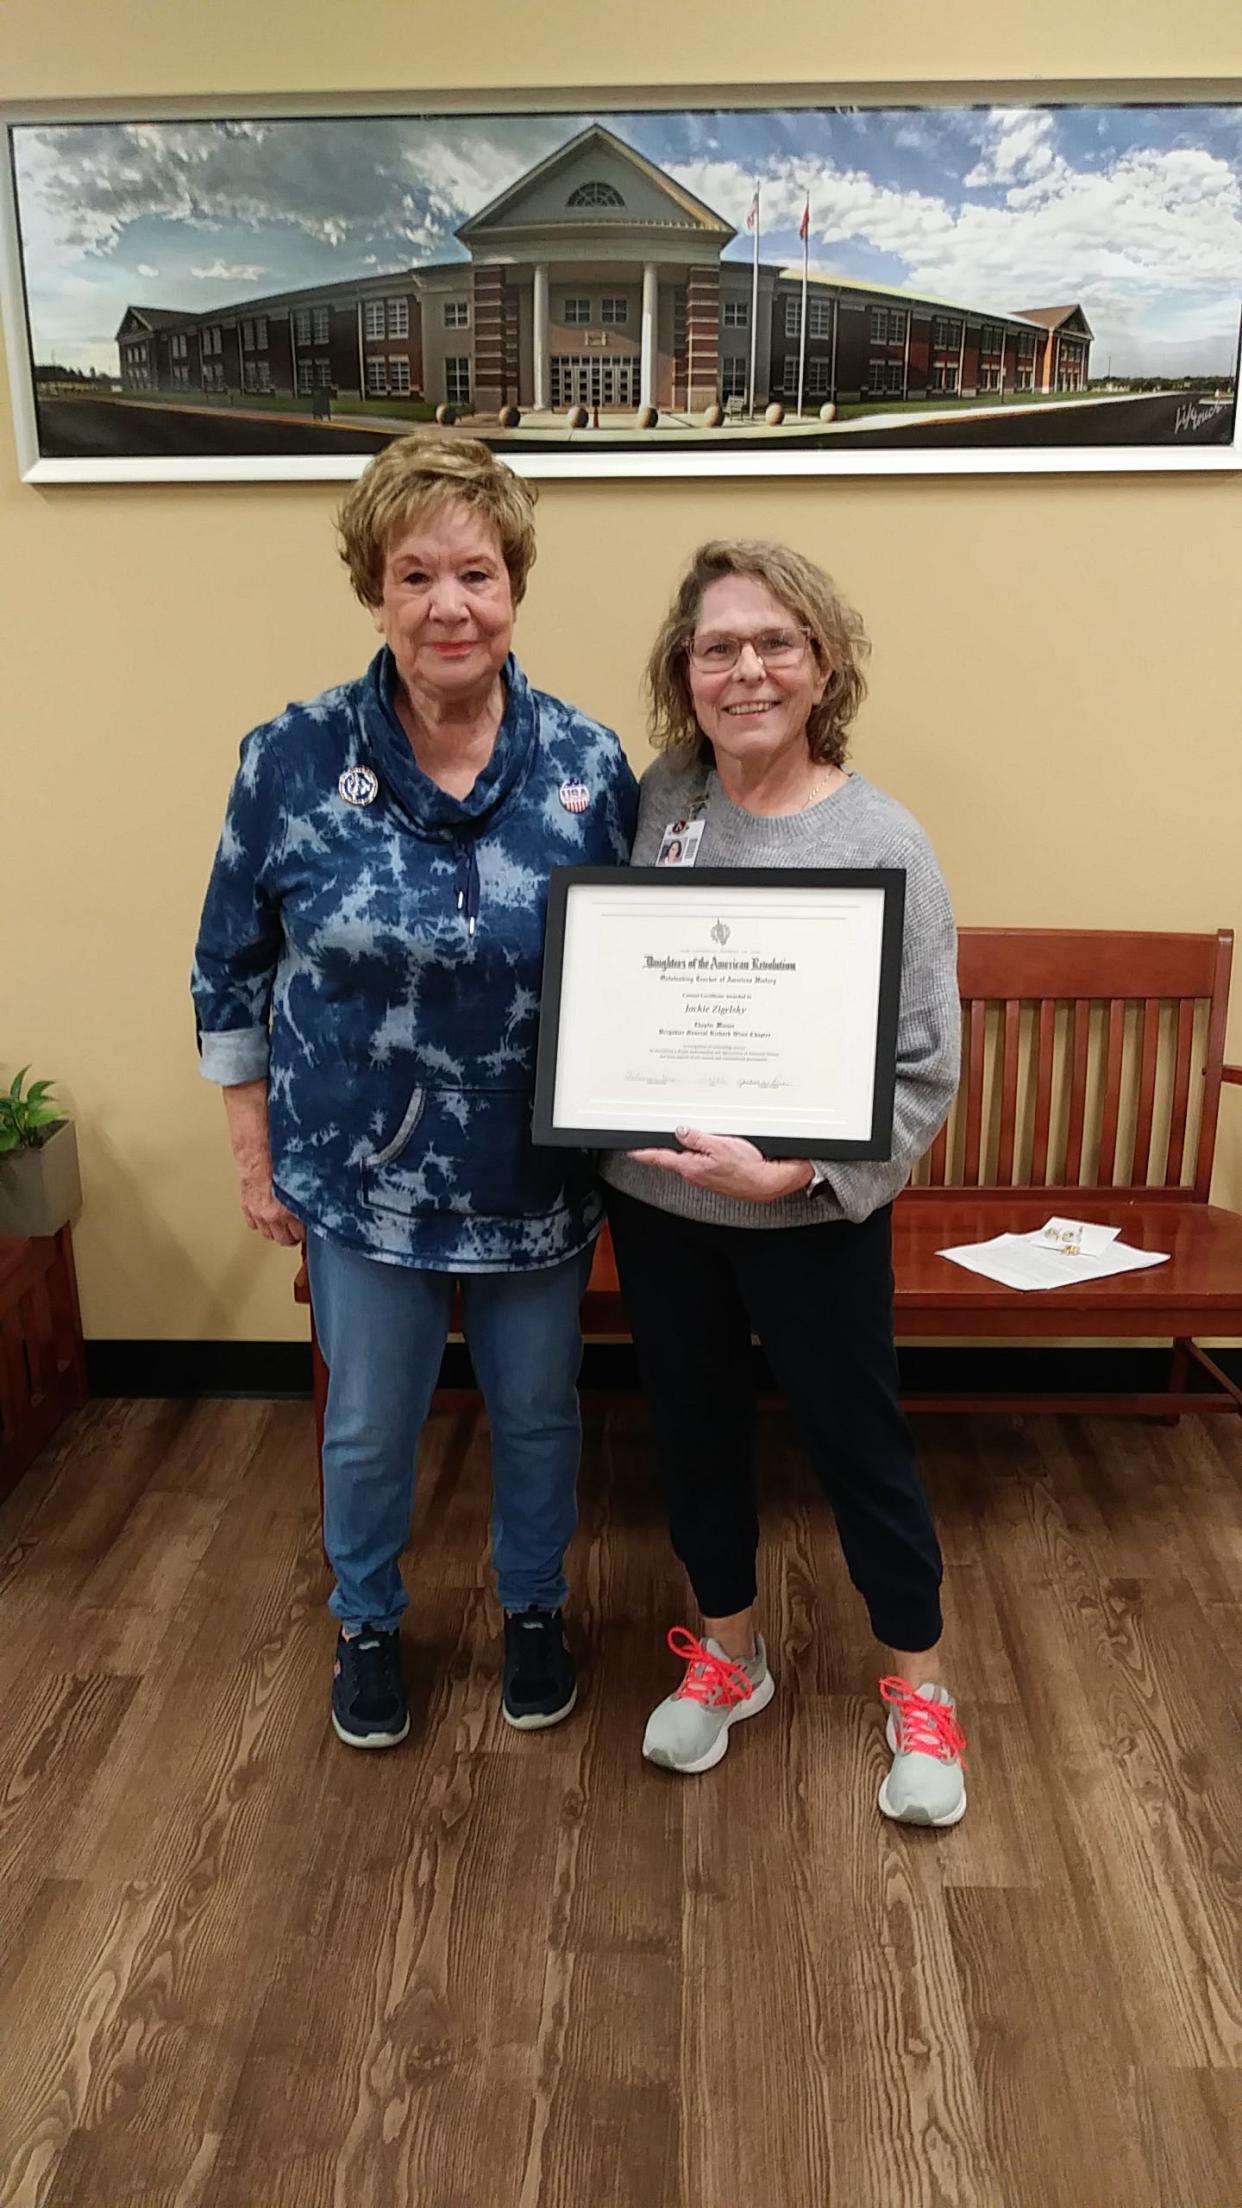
<point>1078,1091</point>
<point>1180,1113</point>
<point>1043,1089</point>
<point>1011,1052</point>
<point>1109,1168</point>
<point>1090,1060</point>
<point>974,1044</point>
<point>1149,1056</point>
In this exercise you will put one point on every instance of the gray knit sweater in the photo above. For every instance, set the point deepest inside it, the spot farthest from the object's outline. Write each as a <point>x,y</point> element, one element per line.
<point>857,825</point>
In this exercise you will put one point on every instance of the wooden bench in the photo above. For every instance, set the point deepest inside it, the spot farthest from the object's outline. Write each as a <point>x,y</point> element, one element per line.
<point>1092,1067</point>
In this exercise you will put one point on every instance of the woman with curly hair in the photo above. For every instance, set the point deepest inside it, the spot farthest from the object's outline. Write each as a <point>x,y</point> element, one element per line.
<point>367,987</point>
<point>754,680</point>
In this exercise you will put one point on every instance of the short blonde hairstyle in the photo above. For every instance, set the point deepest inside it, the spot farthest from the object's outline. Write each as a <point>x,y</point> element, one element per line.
<point>413,476</point>
<point>838,639</point>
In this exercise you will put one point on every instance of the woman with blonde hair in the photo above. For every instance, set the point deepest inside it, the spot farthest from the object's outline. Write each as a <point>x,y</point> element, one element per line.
<point>367,989</point>
<point>755,678</point>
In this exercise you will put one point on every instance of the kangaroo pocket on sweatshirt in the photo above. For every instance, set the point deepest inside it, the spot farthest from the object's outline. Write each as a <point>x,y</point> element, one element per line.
<point>466,1151</point>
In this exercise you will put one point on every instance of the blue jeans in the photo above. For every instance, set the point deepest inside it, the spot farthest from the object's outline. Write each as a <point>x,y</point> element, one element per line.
<point>383,1329</point>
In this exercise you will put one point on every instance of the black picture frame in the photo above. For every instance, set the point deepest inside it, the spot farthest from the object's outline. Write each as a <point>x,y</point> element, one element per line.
<point>732,882</point>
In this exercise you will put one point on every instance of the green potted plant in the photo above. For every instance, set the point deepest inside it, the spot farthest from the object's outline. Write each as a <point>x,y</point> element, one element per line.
<point>40,1186</point>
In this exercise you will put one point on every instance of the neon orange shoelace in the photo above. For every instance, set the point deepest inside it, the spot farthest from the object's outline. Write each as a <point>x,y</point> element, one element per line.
<point>923,1728</point>
<point>709,1679</point>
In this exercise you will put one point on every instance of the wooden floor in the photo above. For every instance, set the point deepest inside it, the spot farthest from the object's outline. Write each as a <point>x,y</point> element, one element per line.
<point>242,1966</point>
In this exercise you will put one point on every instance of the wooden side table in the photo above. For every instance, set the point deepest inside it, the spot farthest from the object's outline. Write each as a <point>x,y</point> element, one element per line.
<point>42,1362</point>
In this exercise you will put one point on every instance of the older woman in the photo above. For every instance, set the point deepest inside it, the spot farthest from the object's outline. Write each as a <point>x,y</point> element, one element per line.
<point>755,678</point>
<point>367,989</point>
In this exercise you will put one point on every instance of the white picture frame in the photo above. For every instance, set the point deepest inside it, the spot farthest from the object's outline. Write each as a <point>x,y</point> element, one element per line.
<point>65,433</point>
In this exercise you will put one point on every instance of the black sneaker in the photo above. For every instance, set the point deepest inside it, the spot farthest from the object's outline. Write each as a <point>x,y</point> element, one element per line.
<point>369,1709</point>
<point>541,1681</point>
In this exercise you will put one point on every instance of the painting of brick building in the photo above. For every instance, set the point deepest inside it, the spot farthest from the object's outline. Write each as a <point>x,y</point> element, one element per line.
<point>803,287</point>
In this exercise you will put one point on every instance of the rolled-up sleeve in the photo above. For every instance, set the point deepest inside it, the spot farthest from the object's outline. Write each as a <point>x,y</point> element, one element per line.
<point>240,935</point>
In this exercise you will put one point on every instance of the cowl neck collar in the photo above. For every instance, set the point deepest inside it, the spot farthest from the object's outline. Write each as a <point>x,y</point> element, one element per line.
<point>431,810</point>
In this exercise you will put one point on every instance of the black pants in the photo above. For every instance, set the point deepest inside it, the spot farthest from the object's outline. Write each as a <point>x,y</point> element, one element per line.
<point>820,1299</point>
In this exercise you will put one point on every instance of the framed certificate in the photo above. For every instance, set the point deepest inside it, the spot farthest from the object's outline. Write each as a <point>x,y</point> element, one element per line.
<point>753,1001</point>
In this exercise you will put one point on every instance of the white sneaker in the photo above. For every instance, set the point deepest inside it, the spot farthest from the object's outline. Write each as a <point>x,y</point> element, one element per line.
<point>689,1731</point>
<point>925,1785</point>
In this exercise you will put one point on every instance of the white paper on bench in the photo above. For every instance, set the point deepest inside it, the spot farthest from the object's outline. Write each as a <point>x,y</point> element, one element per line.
<point>1055,1255</point>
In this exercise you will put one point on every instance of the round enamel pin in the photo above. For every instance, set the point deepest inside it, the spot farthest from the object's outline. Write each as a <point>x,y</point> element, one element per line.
<point>359,786</point>
<point>574,796</point>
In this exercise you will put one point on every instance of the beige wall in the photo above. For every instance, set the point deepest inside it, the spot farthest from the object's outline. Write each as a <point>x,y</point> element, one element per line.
<point>1055,688</point>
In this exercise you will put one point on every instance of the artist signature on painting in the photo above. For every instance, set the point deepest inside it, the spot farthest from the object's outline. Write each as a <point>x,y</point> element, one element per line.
<point>1194,415</point>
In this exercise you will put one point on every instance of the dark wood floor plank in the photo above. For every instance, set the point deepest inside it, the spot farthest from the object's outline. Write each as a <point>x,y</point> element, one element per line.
<point>119,1450</point>
<point>1058,2105</point>
<point>141,2000</point>
<point>605,2115</point>
<point>19,1506</point>
<point>1189,2125</point>
<point>1196,1483</point>
<point>55,1742</point>
<point>1009,1837</point>
<point>99,2169</point>
<point>64,1517</point>
<point>43,1588</point>
<point>156,1553</point>
<point>222,1445</point>
<point>1224,1622</point>
<point>413,1968</point>
<point>863,1988</point>
<point>1110,1495</point>
<point>392,2055</point>
<point>244,1967</point>
<point>193,1757</point>
<point>739,2023</point>
<point>1130,1796</point>
<point>188,1809</point>
<point>167,2054</point>
<point>69,1989</point>
<point>449,1538</point>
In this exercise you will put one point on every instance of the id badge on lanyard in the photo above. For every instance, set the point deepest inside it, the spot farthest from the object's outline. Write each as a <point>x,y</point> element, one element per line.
<point>679,844</point>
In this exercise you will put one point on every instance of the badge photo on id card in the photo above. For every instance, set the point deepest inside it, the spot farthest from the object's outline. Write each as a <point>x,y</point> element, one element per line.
<point>680,843</point>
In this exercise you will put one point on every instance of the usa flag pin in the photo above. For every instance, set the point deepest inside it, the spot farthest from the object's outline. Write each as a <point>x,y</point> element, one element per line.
<point>359,786</point>
<point>574,796</point>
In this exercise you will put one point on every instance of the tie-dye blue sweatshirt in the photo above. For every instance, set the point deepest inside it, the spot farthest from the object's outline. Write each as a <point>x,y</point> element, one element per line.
<point>380,964</point>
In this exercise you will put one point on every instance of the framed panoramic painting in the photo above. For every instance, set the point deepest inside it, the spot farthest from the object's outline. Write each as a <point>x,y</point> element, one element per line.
<point>820,286</point>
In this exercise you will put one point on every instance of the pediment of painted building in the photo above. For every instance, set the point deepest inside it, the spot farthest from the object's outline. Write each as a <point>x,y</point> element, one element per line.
<point>1068,318</point>
<point>596,182</point>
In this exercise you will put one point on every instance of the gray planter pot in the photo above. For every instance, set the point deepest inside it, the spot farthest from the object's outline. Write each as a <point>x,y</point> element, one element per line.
<point>41,1189</point>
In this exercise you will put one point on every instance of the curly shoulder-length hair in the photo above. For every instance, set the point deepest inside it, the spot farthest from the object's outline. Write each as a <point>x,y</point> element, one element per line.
<point>837,636</point>
<point>418,473</point>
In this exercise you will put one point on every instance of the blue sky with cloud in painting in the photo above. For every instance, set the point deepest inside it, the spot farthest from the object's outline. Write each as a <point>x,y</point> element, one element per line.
<point>1134,212</point>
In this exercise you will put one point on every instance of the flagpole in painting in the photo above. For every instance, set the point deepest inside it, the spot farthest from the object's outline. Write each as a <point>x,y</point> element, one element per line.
<point>804,232</point>
<point>752,223</point>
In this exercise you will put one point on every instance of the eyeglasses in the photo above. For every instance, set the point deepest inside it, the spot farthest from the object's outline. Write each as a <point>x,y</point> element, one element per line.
<point>776,648</point>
